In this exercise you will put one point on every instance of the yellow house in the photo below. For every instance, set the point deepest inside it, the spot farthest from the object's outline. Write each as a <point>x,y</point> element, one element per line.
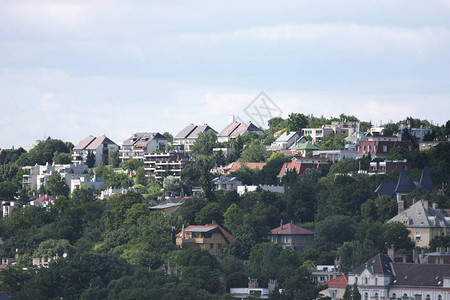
<point>423,222</point>
<point>211,237</point>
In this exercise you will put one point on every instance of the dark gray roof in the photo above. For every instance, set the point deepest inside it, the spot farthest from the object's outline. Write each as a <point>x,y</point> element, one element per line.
<point>386,188</point>
<point>420,274</point>
<point>379,264</point>
<point>404,185</point>
<point>425,180</point>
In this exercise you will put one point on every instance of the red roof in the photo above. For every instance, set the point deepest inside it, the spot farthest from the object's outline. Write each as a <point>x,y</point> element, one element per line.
<point>228,237</point>
<point>338,282</point>
<point>300,168</point>
<point>290,228</point>
<point>234,166</point>
<point>44,198</point>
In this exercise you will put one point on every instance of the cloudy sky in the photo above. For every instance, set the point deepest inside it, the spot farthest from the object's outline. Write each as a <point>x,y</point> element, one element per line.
<point>69,69</point>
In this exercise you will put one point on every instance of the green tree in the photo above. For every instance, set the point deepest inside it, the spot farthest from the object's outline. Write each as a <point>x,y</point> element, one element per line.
<point>52,247</point>
<point>204,143</point>
<point>56,185</point>
<point>90,159</point>
<point>390,129</point>
<point>171,184</point>
<point>211,212</point>
<point>43,152</point>
<point>140,176</point>
<point>397,235</point>
<point>276,124</point>
<point>62,158</point>
<point>332,141</point>
<point>113,158</point>
<point>234,218</point>
<point>296,121</point>
<point>254,152</point>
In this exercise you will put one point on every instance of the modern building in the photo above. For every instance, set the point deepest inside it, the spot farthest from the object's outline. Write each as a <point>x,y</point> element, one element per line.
<point>211,237</point>
<point>99,146</point>
<point>94,182</point>
<point>141,143</point>
<point>186,138</point>
<point>291,236</point>
<point>242,189</point>
<point>388,166</point>
<point>161,164</point>
<point>317,134</point>
<point>378,145</point>
<point>335,155</point>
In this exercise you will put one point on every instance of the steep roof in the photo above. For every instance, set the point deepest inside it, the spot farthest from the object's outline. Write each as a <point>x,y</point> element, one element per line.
<point>290,229</point>
<point>191,131</point>
<point>420,216</point>
<point>99,141</point>
<point>404,185</point>
<point>236,129</point>
<point>425,180</point>
<point>301,166</point>
<point>133,139</point>
<point>379,264</point>
<point>234,166</point>
<point>286,136</point>
<point>84,143</point>
<point>386,188</point>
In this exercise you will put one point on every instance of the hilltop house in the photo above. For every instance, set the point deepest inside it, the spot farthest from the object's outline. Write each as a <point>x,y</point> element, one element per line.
<point>286,140</point>
<point>99,146</point>
<point>301,164</point>
<point>166,163</point>
<point>224,183</point>
<point>141,143</point>
<point>291,236</point>
<point>234,166</point>
<point>235,129</point>
<point>186,138</point>
<point>378,145</point>
<point>211,237</point>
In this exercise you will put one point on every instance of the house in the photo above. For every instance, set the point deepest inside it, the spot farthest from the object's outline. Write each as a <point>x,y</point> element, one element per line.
<point>242,189</point>
<point>234,166</point>
<point>336,287</point>
<point>381,278</point>
<point>235,129</point>
<point>8,207</point>
<point>424,222</point>
<point>186,138</point>
<point>211,237</point>
<point>428,145</point>
<point>346,128</point>
<point>286,140</point>
<point>404,186</point>
<point>291,236</point>
<point>324,273</point>
<point>378,145</point>
<point>43,201</point>
<point>224,183</point>
<point>99,146</point>
<point>37,175</point>
<point>141,143</point>
<point>388,166</point>
<point>168,206</point>
<point>301,164</point>
<point>317,134</point>
<point>161,164</point>
<point>254,290</point>
<point>94,182</point>
<point>303,149</point>
<point>105,194</point>
<point>335,155</point>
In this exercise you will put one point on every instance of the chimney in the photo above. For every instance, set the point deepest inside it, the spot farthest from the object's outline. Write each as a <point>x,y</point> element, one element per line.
<point>391,253</point>
<point>214,222</point>
<point>281,224</point>
<point>435,205</point>
<point>253,283</point>
<point>182,232</point>
<point>425,204</point>
<point>415,256</point>
<point>414,200</point>
<point>273,284</point>
<point>401,206</point>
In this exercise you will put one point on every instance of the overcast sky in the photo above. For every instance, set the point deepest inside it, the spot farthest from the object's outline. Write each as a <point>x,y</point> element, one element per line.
<point>69,69</point>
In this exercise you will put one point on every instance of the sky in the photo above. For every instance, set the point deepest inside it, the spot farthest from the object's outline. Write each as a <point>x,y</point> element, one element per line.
<point>69,69</point>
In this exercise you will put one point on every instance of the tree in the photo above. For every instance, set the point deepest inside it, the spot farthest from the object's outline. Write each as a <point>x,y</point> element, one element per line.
<point>276,124</point>
<point>62,158</point>
<point>397,235</point>
<point>168,136</point>
<point>254,152</point>
<point>333,231</point>
<point>204,143</point>
<point>296,121</point>
<point>90,159</point>
<point>233,218</point>
<point>53,247</point>
<point>390,129</point>
<point>132,165</point>
<point>43,152</point>
<point>211,212</point>
<point>140,176</point>
<point>56,185</point>
<point>332,141</point>
<point>171,184</point>
<point>113,158</point>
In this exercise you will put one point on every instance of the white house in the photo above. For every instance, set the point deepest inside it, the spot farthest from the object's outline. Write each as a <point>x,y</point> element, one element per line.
<point>99,146</point>
<point>141,143</point>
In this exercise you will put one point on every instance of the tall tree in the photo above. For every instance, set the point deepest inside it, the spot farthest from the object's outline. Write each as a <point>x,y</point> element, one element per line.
<point>57,185</point>
<point>296,121</point>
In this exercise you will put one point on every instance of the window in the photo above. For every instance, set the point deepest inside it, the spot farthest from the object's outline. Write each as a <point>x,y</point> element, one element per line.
<point>376,296</point>
<point>366,296</point>
<point>365,280</point>
<point>417,235</point>
<point>384,148</point>
<point>428,297</point>
<point>376,281</point>
<point>211,246</point>
<point>394,296</point>
<point>439,297</point>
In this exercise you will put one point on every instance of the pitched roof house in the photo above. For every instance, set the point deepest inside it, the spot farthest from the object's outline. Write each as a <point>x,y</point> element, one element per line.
<point>291,236</point>
<point>141,143</point>
<point>336,287</point>
<point>211,237</point>
<point>381,278</point>
<point>301,164</point>
<point>234,166</point>
<point>286,140</point>
<point>186,138</point>
<point>99,146</point>
<point>423,222</point>
<point>380,145</point>
<point>235,129</point>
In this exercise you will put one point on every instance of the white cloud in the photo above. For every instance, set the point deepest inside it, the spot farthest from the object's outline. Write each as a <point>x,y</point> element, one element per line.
<point>349,37</point>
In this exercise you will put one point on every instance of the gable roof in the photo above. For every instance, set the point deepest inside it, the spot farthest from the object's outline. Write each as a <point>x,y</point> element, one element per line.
<point>207,228</point>
<point>191,131</point>
<point>290,229</point>
<point>133,139</point>
<point>286,136</point>
<point>99,141</point>
<point>420,274</point>
<point>300,165</point>
<point>44,198</point>
<point>305,146</point>
<point>84,143</point>
<point>386,188</point>
<point>235,129</point>
<point>404,185</point>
